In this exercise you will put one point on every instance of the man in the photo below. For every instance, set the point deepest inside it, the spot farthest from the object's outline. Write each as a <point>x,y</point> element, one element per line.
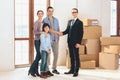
<point>75,33</point>
<point>54,28</point>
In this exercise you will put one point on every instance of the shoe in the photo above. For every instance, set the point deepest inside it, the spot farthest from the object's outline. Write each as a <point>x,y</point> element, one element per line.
<point>75,74</point>
<point>37,74</point>
<point>42,75</point>
<point>32,74</point>
<point>55,71</point>
<point>49,73</point>
<point>70,72</point>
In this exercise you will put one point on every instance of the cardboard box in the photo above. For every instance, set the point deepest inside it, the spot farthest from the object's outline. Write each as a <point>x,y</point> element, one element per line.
<point>110,40</point>
<point>82,49</point>
<point>90,22</point>
<point>89,57</point>
<point>88,64</point>
<point>92,32</point>
<point>93,22</point>
<point>85,22</point>
<point>93,46</point>
<point>114,49</point>
<point>108,61</point>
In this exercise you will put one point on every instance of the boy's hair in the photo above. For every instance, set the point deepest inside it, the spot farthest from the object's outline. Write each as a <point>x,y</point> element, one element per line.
<point>45,25</point>
<point>40,11</point>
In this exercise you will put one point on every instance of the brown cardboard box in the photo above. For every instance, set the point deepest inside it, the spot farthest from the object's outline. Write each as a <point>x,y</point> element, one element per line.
<point>84,41</point>
<point>88,64</point>
<point>88,57</point>
<point>82,49</point>
<point>93,22</point>
<point>90,22</point>
<point>111,49</point>
<point>92,32</point>
<point>108,61</point>
<point>85,22</point>
<point>92,46</point>
<point>110,40</point>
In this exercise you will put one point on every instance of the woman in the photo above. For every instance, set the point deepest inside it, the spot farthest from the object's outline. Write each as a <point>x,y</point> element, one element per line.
<point>37,31</point>
<point>45,49</point>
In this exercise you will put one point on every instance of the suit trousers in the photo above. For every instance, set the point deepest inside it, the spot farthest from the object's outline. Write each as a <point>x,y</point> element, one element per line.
<point>74,58</point>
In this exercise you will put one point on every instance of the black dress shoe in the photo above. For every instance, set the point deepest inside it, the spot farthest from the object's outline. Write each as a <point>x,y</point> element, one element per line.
<point>49,73</point>
<point>75,74</point>
<point>70,72</point>
<point>37,74</point>
<point>55,71</point>
<point>32,74</point>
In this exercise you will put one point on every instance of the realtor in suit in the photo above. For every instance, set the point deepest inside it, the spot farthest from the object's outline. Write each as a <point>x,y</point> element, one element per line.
<point>75,34</point>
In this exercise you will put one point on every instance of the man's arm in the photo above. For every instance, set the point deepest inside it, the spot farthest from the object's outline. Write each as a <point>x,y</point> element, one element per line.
<point>67,29</point>
<point>80,35</point>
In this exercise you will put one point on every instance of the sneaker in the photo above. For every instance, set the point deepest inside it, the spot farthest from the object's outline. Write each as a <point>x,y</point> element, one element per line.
<point>55,71</point>
<point>49,73</point>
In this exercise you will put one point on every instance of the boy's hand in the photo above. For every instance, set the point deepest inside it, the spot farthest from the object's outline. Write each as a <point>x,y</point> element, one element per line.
<point>49,51</point>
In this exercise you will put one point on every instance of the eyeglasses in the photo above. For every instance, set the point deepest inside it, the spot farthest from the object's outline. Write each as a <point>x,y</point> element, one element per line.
<point>74,12</point>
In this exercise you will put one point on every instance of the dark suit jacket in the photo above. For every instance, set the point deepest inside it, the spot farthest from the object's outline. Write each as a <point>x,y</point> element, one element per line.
<point>76,32</point>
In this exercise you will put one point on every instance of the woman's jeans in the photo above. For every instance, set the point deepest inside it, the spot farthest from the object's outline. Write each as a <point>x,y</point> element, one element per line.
<point>44,58</point>
<point>34,67</point>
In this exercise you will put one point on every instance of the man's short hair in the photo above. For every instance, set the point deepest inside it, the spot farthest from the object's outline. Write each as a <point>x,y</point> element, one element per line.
<point>75,9</point>
<point>49,8</point>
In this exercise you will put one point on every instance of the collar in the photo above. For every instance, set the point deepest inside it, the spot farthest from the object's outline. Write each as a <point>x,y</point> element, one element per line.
<point>75,19</point>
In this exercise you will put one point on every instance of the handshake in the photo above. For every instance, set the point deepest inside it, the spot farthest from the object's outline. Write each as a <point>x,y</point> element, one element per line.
<point>56,32</point>
<point>59,33</point>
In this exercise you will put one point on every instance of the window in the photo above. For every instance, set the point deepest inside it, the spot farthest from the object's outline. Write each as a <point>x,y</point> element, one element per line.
<point>113,25</point>
<point>21,32</point>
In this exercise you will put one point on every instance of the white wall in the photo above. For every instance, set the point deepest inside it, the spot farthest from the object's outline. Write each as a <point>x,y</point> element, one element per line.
<point>6,35</point>
<point>89,9</point>
<point>105,18</point>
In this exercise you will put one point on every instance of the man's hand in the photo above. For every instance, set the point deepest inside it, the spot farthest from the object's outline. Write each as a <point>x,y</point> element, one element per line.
<point>60,33</point>
<point>77,45</point>
<point>56,32</point>
<point>43,33</point>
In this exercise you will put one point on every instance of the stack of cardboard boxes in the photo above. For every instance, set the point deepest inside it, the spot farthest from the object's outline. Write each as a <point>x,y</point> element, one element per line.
<point>109,55</point>
<point>90,47</point>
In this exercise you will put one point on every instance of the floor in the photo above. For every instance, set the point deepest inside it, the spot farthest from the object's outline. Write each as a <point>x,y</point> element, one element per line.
<point>84,74</point>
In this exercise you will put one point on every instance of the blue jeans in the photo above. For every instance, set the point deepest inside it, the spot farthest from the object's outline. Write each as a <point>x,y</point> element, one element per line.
<point>44,58</point>
<point>34,67</point>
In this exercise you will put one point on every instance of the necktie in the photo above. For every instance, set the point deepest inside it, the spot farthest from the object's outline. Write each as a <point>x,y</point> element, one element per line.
<point>72,22</point>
